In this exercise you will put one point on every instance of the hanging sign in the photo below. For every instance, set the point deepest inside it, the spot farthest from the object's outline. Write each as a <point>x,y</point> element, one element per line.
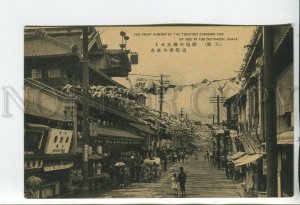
<point>85,153</point>
<point>58,141</point>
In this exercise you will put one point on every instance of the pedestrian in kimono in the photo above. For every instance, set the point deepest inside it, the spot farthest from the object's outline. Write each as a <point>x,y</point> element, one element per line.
<point>174,184</point>
<point>165,162</point>
<point>183,155</point>
<point>132,168</point>
<point>182,179</point>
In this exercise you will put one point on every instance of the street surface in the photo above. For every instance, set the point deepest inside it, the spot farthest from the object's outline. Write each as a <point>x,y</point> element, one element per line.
<point>203,181</point>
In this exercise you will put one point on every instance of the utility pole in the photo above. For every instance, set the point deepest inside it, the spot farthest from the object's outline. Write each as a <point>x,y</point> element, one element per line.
<point>181,112</point>
<point>218,150</point>
<point>161,95</point>
<point>85,104</point>
<point>186,117</point>
<point>217,100</point>
<point>161,98</point>
<point>213,119</point>
<point>225,142</point>
<point>218,109</point>
<point>269,83</point>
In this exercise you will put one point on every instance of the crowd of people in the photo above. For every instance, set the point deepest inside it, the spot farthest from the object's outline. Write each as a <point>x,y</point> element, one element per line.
<point>137,169</point>
<point>128,168</point>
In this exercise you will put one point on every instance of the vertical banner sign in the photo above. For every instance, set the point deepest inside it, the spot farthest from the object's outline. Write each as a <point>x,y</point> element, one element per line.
<point>85,153</point>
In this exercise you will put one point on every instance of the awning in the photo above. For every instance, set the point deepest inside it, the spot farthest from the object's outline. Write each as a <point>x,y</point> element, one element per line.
<point>113,133</point>
<point>239,160</point>
<point>236,155</point>
<point>95,156</point>
<point>142,127</point>
<point>247,159</point>
<point>36,127</point>
<point>286,137</point>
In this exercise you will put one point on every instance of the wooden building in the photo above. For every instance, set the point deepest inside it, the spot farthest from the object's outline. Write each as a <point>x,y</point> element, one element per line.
<point>249,104</point>
<point>53,60</point>
<point>49,118</point>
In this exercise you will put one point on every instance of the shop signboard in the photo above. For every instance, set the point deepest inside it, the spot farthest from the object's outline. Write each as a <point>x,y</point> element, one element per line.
<point>58,167</point>
<point>93,129</point>
<point>58,141</point>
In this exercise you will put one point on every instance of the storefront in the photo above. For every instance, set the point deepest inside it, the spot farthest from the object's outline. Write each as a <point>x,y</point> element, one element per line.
<point>112,139</point>
<point>48,139</point>
<point>285,132</point>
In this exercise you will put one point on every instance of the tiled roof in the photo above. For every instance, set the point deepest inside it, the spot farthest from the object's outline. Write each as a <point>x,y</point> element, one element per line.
<point>71,40</point>
<point>51,41</point>
<point>45,47</point>
<point>41,43</point>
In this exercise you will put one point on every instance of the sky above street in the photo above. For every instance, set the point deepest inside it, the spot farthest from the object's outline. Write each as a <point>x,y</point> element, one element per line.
<point>211,52</point>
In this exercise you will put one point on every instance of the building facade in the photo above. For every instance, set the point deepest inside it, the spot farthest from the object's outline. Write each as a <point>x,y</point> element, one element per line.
<point>249,118</point>
<point>53,77</point>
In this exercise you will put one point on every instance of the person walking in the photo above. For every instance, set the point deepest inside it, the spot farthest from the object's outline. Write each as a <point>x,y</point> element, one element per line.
<point>138,171</point>
<point>207,156</point>
<point>154,172</point>
<point>165,163</point>
<point>178,157</point>
<point>121,173</point>
<point>132,168</point>
<point>147,173</point>
<point>174,184</point>
<point>174,158</point>
<point>183,155</point>
<point>182,179</point>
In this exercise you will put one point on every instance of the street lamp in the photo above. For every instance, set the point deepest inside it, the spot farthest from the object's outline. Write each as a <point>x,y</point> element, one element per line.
<point>124,38</point>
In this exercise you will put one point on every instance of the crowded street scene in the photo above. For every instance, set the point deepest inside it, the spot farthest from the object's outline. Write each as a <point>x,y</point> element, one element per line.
<point>158,111</point>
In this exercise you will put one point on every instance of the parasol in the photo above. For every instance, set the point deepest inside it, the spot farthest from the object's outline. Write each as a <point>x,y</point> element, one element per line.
<point>33,181</point>
<point>119,164</point>
<point>150,161</point>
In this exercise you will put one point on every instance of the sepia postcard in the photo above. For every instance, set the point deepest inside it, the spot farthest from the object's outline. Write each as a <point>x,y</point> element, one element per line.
<point>159,111</point>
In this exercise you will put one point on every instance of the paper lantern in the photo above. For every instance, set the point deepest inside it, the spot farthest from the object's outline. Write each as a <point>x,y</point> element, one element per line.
<point>99,149</point>
<point>90,150</point>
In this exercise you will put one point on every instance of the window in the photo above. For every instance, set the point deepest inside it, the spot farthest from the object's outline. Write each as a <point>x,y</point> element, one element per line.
<point>54,73</point>
<point>284,100</point>
<point>32,140</point>
<point>36,73</point>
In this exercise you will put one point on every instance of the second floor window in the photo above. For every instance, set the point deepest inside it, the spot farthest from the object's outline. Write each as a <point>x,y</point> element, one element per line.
<point>36,73</point>
<point>54,73</point>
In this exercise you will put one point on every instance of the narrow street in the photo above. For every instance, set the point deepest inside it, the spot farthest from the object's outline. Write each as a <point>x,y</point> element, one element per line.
<point>124,110</point>
<point>203,181</point>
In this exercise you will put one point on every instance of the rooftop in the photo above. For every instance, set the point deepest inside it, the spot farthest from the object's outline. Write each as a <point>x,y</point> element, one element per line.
<point>53,41</point>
